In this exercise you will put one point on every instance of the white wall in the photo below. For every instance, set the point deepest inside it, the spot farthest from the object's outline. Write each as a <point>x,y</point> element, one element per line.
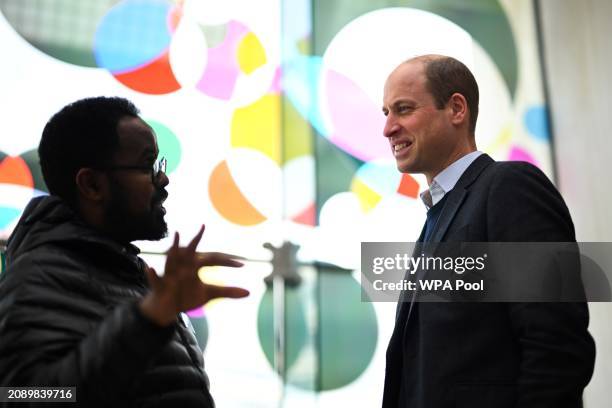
<point>578,58</point>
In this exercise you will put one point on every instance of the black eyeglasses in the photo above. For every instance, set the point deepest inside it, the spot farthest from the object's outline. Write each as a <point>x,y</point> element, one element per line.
<point>158,167</point>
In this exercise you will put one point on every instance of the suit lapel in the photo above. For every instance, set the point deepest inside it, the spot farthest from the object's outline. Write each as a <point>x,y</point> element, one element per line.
<point>453,202</point>
<point>455,199</point>
<point>457,195</point>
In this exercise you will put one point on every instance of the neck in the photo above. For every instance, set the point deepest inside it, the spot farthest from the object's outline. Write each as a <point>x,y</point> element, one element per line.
<point>449,160</point>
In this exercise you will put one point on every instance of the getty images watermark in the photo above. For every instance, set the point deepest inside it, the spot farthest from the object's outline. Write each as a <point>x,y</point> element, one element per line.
<point>486,272</point>
<point>423,264</point>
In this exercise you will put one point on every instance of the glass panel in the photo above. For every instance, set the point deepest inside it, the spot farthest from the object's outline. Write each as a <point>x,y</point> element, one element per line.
<point>269,115</point>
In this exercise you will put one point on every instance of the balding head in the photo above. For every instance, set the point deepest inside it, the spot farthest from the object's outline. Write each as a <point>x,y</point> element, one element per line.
<point>446,76</point>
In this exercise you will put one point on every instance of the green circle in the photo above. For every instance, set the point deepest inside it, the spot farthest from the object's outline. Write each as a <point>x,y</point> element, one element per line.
<point>200,327</point>
<point>168,144</point>
<point>295,321</point>
<point>345,340</point>
<point>348,332</point>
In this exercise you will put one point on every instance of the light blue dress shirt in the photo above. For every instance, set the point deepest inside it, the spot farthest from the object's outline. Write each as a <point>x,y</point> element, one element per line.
<point>446,179</point>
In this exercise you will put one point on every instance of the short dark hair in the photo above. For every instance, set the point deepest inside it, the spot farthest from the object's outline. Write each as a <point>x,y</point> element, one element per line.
<point>446,76</point>
<point>82,134</point>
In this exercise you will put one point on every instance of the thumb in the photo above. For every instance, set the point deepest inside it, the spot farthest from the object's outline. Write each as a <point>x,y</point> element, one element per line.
<point>152,277</point>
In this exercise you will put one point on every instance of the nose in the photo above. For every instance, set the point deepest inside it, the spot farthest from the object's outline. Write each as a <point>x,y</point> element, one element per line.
<point>162,179</point>
<point>391,126</point>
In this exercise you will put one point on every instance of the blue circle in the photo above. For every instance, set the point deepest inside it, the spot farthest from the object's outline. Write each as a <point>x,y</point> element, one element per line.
<point>536,122</point>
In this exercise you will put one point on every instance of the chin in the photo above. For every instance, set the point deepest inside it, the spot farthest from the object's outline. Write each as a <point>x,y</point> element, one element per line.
<point>155,235</point>
<point>160,230</point>
<point>154,229</point>
<point>406,168</point>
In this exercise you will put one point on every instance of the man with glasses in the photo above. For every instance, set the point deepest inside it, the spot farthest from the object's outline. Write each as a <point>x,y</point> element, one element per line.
<point>78,307</point>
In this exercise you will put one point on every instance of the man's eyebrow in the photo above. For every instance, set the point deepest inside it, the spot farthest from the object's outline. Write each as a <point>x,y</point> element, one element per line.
<point>401,101</point>
<point>398,102</point>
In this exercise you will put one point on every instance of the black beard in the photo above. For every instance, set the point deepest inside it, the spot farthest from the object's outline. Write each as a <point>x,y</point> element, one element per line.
<point>126,227</point>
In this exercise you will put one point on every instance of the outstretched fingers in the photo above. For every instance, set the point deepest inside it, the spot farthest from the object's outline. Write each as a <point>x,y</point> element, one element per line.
<point>219,259</point>
<point>196,240</point>
<point>175,244</point>
<point>215,291</point>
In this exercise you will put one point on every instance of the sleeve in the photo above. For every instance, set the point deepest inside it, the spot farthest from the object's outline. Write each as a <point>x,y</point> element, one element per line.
<point>47,339</point>
<point>557,351</point>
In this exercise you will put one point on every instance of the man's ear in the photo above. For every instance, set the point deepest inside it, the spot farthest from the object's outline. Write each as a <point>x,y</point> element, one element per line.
<point>458,109</point>
<point>91,185</point>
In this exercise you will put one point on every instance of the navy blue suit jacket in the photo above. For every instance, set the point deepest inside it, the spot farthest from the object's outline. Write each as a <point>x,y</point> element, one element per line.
<point>493,355</point>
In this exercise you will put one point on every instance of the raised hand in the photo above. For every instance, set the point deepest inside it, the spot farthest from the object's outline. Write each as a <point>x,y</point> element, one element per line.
<point>180,289</point>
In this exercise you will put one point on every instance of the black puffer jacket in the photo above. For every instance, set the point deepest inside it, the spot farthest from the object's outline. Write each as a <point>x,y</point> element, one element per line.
<point>69,317</point>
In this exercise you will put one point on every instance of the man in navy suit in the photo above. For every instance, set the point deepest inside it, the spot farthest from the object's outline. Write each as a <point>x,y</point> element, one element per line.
<point>490,355</point>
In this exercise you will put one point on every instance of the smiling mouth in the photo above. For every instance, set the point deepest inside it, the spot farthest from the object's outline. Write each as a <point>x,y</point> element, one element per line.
<point>401,148</point>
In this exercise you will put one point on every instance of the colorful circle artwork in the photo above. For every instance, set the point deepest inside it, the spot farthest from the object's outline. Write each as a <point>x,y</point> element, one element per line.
<point>243,196</point>
<point>341,60</point>
<point>239,53</point>
<point>62,29</point>
<point>377,179</point>
<point>134,40</point>
<point>168,144</point>
<point>20,181</point>
<point>345,339</point>
<point>488,25</point>
<point>520,154</point>
<point>283,184</point>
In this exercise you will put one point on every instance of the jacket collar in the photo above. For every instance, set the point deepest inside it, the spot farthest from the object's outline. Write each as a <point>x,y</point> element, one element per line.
<point>457,195</point>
